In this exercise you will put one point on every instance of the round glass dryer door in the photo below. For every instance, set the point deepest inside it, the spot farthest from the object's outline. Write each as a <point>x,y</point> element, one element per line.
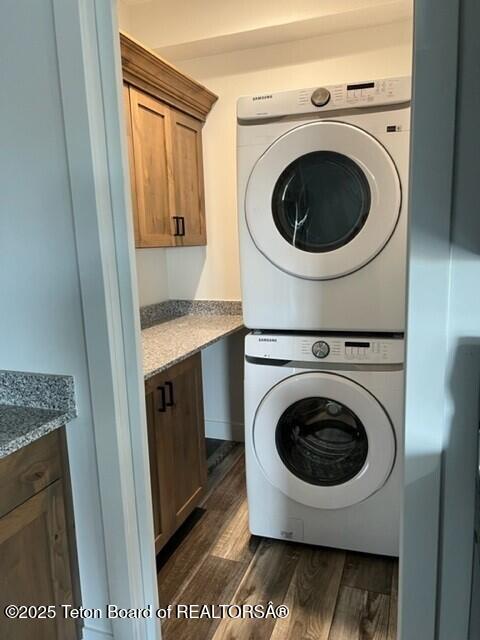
<point>323,440</point>
<point>323,200</point>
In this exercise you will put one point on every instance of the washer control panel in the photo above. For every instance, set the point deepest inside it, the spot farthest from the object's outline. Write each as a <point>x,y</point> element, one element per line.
<point>365,94</point>
<point>334,349</point>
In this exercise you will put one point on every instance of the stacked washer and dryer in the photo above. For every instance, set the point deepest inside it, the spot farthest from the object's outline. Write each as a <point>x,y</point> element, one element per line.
<point>322,183</point>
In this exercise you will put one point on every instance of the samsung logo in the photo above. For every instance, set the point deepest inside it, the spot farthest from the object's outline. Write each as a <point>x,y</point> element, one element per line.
<point>267,339</point>
<point>268,97</point>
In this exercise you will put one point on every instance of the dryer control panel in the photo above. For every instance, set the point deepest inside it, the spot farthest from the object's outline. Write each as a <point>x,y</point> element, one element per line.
<point>333,349</point>
<point>365,94</point>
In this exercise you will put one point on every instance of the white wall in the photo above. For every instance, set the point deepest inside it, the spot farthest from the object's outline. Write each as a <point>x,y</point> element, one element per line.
<point>41,322</point>
<point>213,271</point>
<point>152,275</point>
<point>222,367</point>
<point>160,24</point>
<point>123,15</point>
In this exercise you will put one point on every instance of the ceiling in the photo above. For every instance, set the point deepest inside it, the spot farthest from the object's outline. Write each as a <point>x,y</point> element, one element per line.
<point>183,29</point>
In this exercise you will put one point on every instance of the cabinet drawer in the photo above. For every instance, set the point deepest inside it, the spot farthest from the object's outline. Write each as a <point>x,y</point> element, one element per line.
<point>29,470</point>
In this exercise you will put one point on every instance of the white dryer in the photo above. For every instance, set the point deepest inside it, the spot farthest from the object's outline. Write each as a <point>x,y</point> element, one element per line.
<point>324,439</point>
<point>322,198</point>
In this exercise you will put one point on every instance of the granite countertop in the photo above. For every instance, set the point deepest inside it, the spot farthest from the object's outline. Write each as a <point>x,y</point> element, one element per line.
<point>32,405</point>
<point>177,329</point>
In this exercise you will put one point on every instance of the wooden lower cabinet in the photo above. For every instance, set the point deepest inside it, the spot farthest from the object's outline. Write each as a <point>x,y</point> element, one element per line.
<point>176,437</point>
<point>37,548</point>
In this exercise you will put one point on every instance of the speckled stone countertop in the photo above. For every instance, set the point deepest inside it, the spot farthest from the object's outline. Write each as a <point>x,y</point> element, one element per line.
<point>32,405</point>
<point>176,337</point>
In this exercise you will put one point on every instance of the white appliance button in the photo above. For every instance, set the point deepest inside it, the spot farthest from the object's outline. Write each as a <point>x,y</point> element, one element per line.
<point>320,97</point>
<point>320,349</point>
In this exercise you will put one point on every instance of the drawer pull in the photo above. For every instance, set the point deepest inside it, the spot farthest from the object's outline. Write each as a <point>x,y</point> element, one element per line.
<point>177,226</point>
<point>171,401</point>
<point>163,405</point>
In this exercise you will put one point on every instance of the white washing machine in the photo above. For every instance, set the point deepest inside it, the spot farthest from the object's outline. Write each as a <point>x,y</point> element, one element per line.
<point>322,198</point>
<point>324,439</point>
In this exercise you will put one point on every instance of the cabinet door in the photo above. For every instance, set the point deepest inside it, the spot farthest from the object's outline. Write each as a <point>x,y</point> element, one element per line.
<point>34,566</point>
<point>159,448</point>
<point>176,440</point>
<point>152,160</point>
<point>188,179</point>
<point>188,436</point>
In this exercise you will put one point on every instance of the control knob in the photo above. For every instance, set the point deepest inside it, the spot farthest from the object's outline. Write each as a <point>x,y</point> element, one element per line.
<point>320,97</point>
<point>320,349</point>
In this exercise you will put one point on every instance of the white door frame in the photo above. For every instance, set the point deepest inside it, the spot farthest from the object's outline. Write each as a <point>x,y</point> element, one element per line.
<point>431,183</point>
<point>89,69</point>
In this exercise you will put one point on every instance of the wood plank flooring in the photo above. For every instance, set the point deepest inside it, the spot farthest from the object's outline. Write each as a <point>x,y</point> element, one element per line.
<point>331,594</point>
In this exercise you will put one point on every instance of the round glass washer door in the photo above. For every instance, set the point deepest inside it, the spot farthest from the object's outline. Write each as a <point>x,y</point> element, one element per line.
<point>323,440</point>
<point>323,200</point>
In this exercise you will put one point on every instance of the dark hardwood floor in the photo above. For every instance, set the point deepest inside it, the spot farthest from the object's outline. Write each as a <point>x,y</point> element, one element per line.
<point>331,594</point>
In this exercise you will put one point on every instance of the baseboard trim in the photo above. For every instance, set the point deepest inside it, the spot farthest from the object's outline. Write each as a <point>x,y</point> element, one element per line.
<point>225,430</point>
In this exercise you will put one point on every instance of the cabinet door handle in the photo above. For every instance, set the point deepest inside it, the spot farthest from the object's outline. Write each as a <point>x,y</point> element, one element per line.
<point>163,405</point>
<point>171,400</point>
<point>177,226</point>
<point>182,232</point>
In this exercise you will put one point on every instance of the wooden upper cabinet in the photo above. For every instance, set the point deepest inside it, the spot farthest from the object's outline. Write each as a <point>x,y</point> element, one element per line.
<point>165,112</point>
<point>188,179</point>
<point>152,162</point>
